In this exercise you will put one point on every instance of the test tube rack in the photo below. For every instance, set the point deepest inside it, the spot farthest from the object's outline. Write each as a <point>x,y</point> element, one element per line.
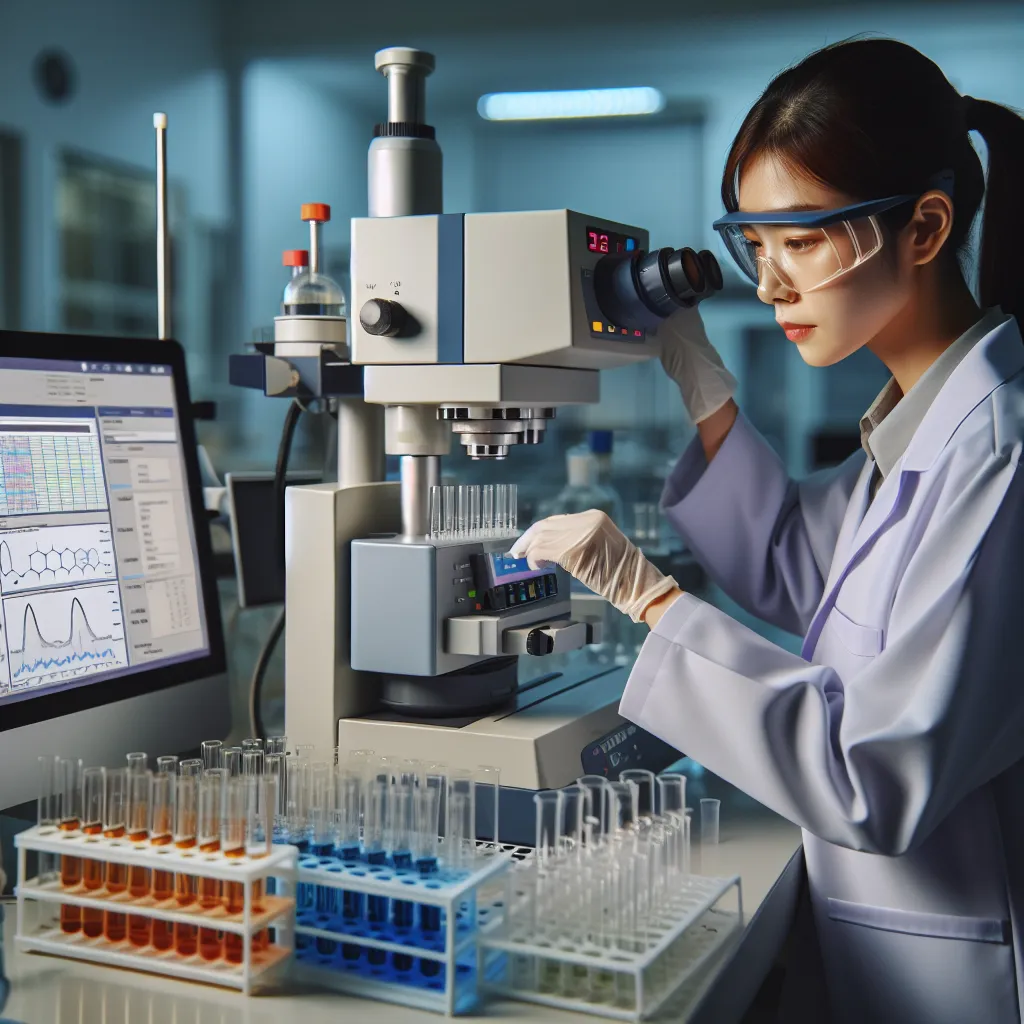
<point>623,984</point>
<point>41,931</point>
<point>430,964</point>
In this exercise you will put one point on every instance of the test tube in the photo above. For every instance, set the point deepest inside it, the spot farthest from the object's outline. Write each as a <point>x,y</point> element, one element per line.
<point>672,808</point>
<point>232,844</point>
<point>374,852</point>
<point>69,782</point>
<point>401,827</point>
<point>191,768</point>
<point>277,745</point>
<point>94,782</point>
<point>709,819</point>
<point>501,509</point>
<point>186,826</point>
<point>462,517</point>
<point>644,781</point>
<point>487,509</point>
<point>448,500</point>
<point>167,763</point>
<point>210,796</point>
<point>427,797</point>
<point>211,753</point>
<point>460,827</point>
<point>436,499</point>
<point>262,796</point>
<point>296,809</point>
<point>619,807</point>
<point>252,743</point>
<point>574,799</point>
<point>490,778</point>
<point>231,760</point>
<point>115,826</point>
<point>474,510</point>
<point>162,834</point>
<point>348,796</point>
<point>138,761</point>
<point>252,762</point>
<point>512,510</point>
<point>140,783</point>
<point>548,808</point>
<point>47,810</point>
<point>594,807</point>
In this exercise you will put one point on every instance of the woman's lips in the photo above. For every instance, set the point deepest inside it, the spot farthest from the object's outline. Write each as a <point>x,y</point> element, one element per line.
<point>797,332</point>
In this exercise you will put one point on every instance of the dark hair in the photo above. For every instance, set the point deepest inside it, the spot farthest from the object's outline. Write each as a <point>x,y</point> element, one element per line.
<point>875,118</point>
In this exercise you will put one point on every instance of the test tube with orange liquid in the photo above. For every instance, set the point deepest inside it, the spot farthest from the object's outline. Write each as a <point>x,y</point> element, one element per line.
<point>115,826</point>
<point>210,788</point>
<point>232,844</point>
<point>161,834</point>
<point>262,805</point>
<point>94,797</point>
<point>140,785</point>
<point>69,776</point>
<point>186,936</point>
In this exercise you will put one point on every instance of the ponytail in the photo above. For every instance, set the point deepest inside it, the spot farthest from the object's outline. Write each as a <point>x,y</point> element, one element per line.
<point>1001,262</point>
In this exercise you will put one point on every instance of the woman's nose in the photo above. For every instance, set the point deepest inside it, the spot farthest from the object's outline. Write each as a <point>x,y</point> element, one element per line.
<point>772,285</point>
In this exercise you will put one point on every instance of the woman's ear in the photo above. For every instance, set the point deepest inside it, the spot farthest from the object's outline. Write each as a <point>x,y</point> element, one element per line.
<point>929,227</point>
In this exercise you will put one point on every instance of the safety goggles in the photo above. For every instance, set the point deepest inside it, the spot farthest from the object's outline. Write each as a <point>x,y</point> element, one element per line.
<point>808,249</point>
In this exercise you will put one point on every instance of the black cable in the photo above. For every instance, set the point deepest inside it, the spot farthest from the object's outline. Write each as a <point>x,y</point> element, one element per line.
<point>284,450</point>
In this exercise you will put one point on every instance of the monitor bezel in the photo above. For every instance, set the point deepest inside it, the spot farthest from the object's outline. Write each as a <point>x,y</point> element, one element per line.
<point>98,348</point>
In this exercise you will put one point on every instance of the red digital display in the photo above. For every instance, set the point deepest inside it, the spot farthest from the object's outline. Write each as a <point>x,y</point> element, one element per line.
<point>602,241</point>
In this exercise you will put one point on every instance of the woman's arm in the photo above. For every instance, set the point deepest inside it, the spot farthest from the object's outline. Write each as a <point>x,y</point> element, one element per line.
<point>715,429</point>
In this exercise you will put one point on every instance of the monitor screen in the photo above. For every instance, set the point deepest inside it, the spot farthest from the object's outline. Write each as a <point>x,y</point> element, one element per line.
<point>99,567</point>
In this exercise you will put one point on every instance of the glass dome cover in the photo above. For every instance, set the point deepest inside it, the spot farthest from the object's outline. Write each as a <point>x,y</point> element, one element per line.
<point>313,294</point>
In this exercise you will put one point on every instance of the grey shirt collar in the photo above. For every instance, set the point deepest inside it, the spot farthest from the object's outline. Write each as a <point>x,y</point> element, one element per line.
<point>887,427</point>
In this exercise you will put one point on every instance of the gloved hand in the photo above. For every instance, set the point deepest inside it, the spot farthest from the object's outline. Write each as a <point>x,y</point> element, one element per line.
<point>589,546</point>
<point>694,364</point>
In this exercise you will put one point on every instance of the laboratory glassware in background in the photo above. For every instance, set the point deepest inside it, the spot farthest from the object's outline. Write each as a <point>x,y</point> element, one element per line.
<point>709,821</point>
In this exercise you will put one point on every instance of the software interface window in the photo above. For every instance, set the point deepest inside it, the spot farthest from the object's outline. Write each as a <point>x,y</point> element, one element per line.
<point>98,562</point>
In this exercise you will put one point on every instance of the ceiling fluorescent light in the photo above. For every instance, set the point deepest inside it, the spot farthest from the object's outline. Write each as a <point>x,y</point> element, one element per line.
<point>546,106</point>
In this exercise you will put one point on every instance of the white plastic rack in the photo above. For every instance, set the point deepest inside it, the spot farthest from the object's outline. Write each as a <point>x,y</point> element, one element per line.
<point>38,899</point>
<point>395,934</point>
<point>616,982</point>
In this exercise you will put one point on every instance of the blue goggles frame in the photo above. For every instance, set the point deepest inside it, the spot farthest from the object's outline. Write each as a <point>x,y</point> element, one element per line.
<point>823,218</point>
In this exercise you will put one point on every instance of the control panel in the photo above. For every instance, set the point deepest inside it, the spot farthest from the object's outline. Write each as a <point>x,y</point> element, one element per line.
<point>507,582</point>
<point>629,746</point>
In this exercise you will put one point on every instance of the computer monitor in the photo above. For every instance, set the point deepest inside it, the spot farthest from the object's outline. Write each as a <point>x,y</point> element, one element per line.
<point>110,633</point>
<point>254,537</point>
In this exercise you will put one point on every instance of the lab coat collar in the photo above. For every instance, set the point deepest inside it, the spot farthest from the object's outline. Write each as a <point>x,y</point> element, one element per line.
<point>993,360</point>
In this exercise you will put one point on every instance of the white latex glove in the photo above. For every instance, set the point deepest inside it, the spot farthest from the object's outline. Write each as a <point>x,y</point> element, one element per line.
<point>694,364</point>
<point>589,546</point>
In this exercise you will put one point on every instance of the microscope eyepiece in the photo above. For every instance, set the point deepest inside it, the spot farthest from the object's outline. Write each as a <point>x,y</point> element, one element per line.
<point>640,289</point>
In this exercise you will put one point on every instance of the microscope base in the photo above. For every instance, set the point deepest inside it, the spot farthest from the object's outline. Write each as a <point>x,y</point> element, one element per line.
<point>539,739</point>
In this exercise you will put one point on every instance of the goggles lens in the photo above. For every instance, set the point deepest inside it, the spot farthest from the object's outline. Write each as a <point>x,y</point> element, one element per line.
<point>801,258</point>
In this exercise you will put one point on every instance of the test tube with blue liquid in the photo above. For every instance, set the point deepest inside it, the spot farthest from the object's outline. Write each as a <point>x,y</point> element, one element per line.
<point>374,851</point>
<point>349,797</point>
<point>322,845</point>
<point>401,828</point>
<point>427,819</point>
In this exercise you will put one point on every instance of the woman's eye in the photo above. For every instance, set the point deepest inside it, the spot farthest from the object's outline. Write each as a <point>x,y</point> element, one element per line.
<point>800,244</point>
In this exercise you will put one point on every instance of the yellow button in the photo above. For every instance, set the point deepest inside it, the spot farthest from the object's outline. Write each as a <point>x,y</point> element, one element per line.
<point>598,326</point>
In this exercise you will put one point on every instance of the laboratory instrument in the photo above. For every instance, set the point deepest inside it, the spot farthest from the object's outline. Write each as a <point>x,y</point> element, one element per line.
<point>442,361</point>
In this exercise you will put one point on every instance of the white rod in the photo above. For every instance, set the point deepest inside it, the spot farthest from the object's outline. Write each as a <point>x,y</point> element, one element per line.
<point>163,253</point>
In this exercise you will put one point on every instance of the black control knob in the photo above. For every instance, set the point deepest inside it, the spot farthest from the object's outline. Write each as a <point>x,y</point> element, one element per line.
<point>382,318</point>
<point>538,642</point>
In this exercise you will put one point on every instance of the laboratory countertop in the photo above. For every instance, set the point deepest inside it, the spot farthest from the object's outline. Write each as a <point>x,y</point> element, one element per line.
<point>755,844</point>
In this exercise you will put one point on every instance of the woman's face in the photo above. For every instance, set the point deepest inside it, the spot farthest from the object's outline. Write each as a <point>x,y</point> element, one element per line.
<point>830,322</point>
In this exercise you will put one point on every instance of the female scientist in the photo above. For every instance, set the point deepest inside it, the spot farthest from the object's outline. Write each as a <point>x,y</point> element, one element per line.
<point>896,740</point>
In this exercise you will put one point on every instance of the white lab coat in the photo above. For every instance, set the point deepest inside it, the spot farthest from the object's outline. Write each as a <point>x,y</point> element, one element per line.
<point>896,741</point>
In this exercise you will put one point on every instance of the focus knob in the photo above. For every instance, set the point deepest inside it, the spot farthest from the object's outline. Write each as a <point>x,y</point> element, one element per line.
<point>382,318</point>
<point>539,643</point>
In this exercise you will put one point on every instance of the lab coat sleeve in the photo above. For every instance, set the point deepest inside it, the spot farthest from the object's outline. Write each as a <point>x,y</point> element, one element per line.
<point>877,764</point>
<point>765,539</point>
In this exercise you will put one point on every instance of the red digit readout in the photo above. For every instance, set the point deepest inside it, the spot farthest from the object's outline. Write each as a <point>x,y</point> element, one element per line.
<point>597,242</point>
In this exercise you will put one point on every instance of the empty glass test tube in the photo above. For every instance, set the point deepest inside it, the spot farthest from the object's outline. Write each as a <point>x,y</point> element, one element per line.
<point>489,778</point>
<point>709,821</point>
<point>211,753</point>
<point>462,516</point>
<point>460,827</point>
<point>487,510</point>
<point>436,509</point>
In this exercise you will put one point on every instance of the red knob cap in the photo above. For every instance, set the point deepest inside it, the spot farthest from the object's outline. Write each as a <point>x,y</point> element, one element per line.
<point>295,258</point>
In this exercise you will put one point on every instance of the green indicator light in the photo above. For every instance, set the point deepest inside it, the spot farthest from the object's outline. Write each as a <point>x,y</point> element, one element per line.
<point>472,593</point>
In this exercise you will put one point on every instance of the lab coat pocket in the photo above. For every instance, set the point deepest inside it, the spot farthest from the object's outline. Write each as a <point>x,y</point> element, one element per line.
<point>925,968</point>
<point>862,641</point>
